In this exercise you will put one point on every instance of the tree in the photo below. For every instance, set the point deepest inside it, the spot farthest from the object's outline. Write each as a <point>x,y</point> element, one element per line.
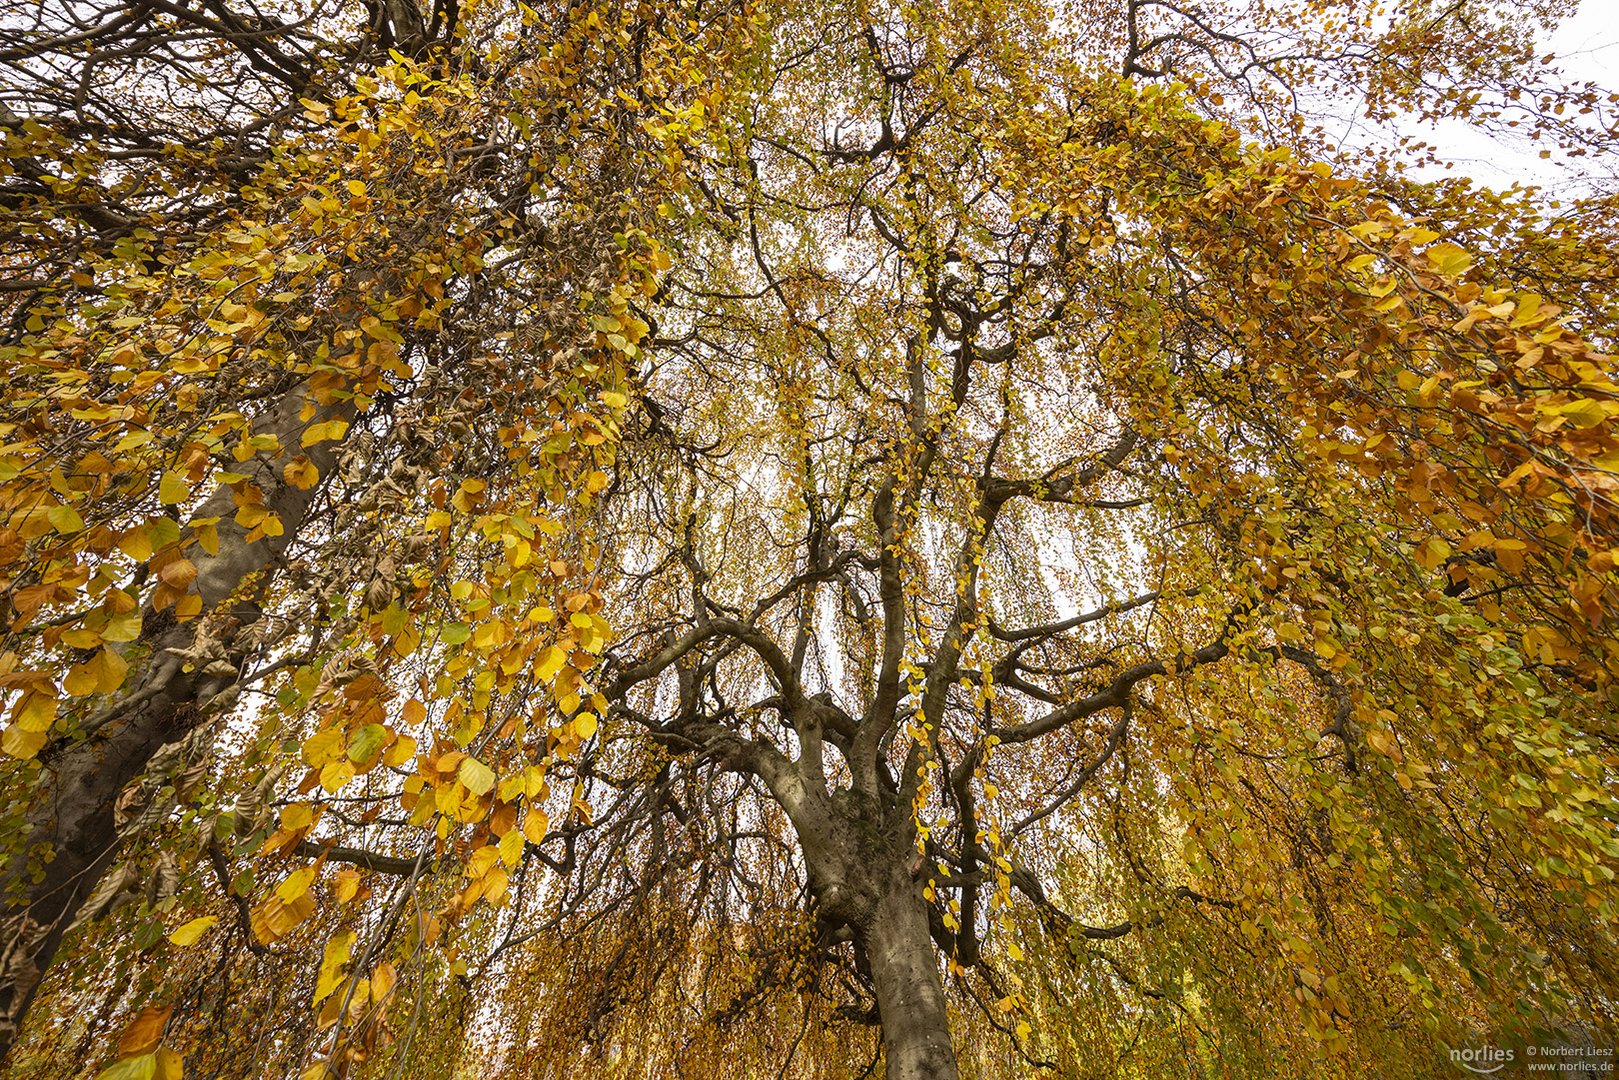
<point>805,520</point>
<point>220,354</point>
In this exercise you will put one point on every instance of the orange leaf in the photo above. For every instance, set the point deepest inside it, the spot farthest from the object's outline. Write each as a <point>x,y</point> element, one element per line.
<point>144,1032</point>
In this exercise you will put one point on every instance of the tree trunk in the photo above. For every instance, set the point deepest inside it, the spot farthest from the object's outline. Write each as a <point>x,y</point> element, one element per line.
<point>71,836</point>
<point>71,823</point>
<point>910,994</point>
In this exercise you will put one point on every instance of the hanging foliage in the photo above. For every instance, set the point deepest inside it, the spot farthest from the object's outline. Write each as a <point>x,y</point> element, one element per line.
<point>812,540</point>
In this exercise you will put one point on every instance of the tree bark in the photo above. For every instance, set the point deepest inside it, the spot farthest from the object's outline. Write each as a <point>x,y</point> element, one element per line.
<point>71,836</point>
<point>910,993</point>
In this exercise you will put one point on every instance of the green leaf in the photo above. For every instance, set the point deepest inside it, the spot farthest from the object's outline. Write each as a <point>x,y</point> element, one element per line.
<point>366,743</point>
<point>65,520</point>
<point>143,1067</point>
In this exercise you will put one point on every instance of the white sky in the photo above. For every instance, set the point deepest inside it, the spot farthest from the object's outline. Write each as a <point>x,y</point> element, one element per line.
<point>1587,49</point>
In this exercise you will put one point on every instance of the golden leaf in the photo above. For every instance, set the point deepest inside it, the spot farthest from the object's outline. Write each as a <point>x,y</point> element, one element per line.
<point>145,1031</point>
<point>173,488</point>
<point>475,775</point>
<point>188,933</point>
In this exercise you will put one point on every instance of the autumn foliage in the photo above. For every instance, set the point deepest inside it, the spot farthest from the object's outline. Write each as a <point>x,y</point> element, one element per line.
<point>697,539</point>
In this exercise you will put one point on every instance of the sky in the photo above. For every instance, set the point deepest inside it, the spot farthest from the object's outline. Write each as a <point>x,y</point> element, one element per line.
<point>1587,49</point>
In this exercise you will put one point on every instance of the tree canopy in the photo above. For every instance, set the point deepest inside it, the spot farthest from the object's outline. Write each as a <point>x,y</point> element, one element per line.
<point>977,537</point>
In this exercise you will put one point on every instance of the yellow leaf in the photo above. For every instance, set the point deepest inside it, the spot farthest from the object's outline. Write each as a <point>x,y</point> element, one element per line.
<point>143,1067</point>
<point>295,816</point>
<point>403,749</point>
<point>34,712</point>
<point>136,543</point>
<point>111,670</point>
<point>125,627</point>
<point>170,1066</point>
<point>301,473</point>
<point>333,964</point>
<point>178,574</point>
<point>21,743</point>
<point>548,663</point>
<point>480,862</point>
<point>188,933</point>
<point>274,919</point>
<point>1433,552</point>
<point>143,1032</point>
<point>328,431</point>
<point>1586,412</point>
<point>81,638</point>
<point>172,488</point>
<point>477,776</point>
<point>334,774</point>
<point>1449,259</point>
<point>346,886</point>
<point>323,746</point>
<point>495,884</point>
<point>511,847</point>
<point>296,885</point>
<point>81,679</point>
<point>382,982</point>
<point>132,440</point>
<point>536,825</point>
<point>534,782</point>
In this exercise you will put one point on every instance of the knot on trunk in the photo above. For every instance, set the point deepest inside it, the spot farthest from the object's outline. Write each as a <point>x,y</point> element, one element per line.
<point>839,905</point>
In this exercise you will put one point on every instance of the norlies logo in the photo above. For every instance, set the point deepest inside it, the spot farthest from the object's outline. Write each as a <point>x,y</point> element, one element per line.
<point>1486,1060</point>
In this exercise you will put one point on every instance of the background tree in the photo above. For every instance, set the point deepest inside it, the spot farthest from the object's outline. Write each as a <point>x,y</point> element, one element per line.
<point>1081,573</point>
